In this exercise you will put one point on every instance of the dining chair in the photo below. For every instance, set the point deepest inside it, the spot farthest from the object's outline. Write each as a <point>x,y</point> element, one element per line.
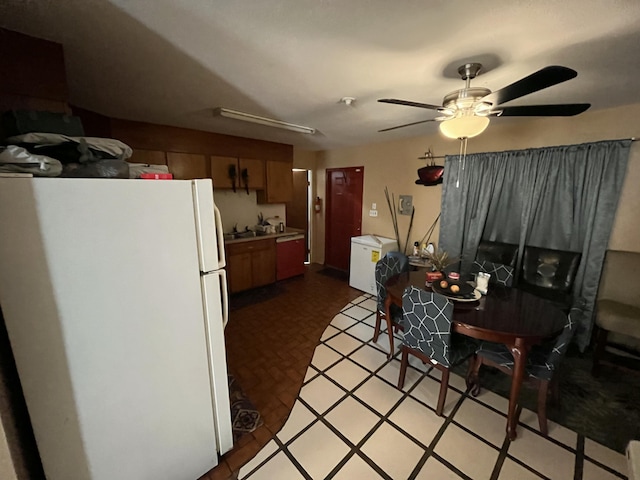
<point>542,363</point>
<point>500,274</point>
<point>428,336</point>
<point>497,252</point>
<point>393,263</point>
<point>549,274</point>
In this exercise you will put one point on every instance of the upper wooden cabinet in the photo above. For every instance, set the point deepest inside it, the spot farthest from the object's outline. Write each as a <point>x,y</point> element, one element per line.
<point>279,183</point>
<point>243,173</point>
<point>255,172</point>
<point>186,166</point>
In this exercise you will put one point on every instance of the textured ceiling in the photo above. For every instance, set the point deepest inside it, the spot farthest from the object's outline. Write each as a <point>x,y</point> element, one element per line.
<point>173,62</point>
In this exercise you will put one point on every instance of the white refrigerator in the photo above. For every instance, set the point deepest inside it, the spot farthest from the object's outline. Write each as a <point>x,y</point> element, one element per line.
<point>115,300</point>
<point>366,250</point>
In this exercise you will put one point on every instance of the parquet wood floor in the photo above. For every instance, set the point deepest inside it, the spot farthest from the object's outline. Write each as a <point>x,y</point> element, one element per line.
<point>271,335</point>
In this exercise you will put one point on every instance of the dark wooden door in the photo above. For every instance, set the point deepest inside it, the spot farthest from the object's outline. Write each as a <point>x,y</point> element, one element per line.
<point>343,214</point>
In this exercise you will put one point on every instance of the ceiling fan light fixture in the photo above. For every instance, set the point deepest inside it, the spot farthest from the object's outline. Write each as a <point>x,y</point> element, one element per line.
<point>269,122</point>
<point>466,126</point>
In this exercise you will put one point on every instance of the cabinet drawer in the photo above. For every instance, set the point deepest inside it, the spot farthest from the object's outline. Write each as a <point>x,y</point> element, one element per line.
<point>251,246</point>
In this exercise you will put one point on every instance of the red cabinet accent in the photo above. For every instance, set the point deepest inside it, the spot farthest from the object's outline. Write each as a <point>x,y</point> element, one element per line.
<point>290,254</point>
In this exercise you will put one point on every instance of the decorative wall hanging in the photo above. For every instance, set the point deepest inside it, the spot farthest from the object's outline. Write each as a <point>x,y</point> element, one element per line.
<point>431,174</point>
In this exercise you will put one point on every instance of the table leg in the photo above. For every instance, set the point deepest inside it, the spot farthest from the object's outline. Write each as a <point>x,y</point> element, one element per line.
<point>387,307</point>
<point>519,352</point>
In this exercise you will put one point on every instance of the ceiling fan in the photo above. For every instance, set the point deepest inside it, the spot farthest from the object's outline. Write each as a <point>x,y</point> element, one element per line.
<point>465,113</point>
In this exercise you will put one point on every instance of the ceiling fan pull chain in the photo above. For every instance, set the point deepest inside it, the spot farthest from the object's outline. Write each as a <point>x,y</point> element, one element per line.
<point>464,156</point>
<point>459,164</point>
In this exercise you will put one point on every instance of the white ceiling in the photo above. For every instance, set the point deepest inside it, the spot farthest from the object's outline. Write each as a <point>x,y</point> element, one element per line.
<point>172,62</point>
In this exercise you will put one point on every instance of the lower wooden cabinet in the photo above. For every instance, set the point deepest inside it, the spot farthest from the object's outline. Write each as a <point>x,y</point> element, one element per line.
<point>251,264</point>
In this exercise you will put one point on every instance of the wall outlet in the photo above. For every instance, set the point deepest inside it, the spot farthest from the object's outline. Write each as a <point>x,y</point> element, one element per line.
<point>373,213</point>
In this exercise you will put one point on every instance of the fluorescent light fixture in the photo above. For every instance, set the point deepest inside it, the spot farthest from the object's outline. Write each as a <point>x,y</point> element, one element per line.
<point>269,122</point>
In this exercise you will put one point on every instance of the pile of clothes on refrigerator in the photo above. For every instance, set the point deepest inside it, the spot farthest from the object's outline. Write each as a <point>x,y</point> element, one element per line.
<point>48,144</point>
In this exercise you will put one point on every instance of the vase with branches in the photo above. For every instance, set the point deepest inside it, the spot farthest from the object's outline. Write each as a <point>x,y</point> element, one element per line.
<point>439,260</point>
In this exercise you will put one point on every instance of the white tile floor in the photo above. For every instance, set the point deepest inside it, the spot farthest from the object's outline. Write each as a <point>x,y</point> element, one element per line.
<point>351,422</point>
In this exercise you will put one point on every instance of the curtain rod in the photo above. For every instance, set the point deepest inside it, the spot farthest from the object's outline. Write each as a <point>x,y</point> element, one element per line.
<point>633,139</point>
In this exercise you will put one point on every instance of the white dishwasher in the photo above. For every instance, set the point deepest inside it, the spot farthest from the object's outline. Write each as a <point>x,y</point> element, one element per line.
<point>365,253</point>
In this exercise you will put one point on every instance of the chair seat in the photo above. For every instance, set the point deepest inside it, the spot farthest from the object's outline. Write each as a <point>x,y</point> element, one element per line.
<point>536,367</point>
<point>618,317</point>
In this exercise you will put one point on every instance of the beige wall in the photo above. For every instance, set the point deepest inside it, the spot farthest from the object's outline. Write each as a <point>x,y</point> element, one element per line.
<point>394,164</point>
<point>7,469</point>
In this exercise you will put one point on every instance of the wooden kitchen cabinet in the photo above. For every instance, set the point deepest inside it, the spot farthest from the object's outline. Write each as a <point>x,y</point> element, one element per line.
<point>186,166</point>
<point>239,269</point>
<point>278,182</point>
<point>255,171</point>
<point>251,264</point>
<point>221,177</point>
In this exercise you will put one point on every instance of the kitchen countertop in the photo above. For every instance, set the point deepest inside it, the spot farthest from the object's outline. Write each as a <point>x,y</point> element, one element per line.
<point>287,232</point>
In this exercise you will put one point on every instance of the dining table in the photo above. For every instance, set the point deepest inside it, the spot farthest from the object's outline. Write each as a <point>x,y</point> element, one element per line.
<point>513,317</point>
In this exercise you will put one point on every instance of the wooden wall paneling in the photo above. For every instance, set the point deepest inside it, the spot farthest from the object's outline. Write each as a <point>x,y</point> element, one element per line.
<point>186,166</point>
<point>32,67</point>
<point>149,136</point>
<point>152,157</point>
<point>21,102</point>
<point>95,124</point>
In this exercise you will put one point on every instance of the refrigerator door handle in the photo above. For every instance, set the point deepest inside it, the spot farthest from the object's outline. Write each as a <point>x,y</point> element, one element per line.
<point>220,234</point>
<point>224,289</point>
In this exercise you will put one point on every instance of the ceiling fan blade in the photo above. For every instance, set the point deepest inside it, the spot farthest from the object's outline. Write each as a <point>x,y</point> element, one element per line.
<point>407,125</point>
<point>559,110</point>
<point>395,101</point>
<point>546,77</point>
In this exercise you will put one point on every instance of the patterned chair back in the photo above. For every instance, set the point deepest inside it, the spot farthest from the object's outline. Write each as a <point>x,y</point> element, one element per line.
<point>561,343</point>
<point>427,320</point>
<point>393,263</point>
<point>500,274</point>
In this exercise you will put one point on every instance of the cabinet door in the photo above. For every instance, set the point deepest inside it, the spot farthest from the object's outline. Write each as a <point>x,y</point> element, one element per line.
<point>255,172</point>
<point>239,271</point>
<point>220,171</point>
<point>151,157</point>
<point>263,264</point>
<point>279,183</point>
<point>185,166</point>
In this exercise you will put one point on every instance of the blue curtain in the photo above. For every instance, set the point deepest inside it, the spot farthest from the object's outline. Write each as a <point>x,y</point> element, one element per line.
<point>563,198</point>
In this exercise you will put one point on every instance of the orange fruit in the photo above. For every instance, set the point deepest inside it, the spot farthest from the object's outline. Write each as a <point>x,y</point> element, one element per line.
<point>444,284</point>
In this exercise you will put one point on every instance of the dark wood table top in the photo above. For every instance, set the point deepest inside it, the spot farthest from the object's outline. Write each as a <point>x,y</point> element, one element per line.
<point>505,314</point>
